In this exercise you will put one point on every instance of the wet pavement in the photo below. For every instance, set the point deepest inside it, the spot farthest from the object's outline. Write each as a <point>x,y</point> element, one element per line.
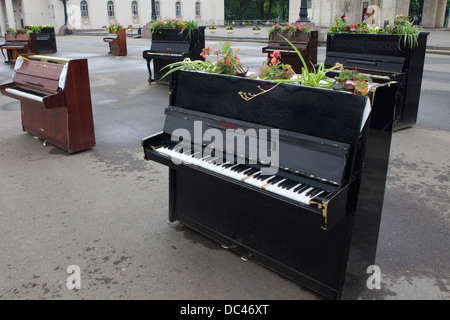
<point>105,210</point>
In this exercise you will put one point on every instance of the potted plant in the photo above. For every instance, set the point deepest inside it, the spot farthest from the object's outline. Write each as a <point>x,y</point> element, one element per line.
<point>115,27</point>
<point>229,29</point>
<point>212,29</point>
<point>256,30</point>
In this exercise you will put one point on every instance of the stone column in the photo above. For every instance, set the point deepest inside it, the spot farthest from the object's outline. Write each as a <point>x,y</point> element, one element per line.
<point>2,20</point>
<point>429,13</point>
<point>10,14</point>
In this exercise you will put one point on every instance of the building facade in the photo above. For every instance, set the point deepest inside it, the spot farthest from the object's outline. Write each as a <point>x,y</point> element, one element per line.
<point>96,14</point>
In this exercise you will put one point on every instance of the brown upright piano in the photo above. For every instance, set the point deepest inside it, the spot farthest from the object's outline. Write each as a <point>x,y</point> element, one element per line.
<point>117,43</point>
<point>306,44</point>
<point>21,43</point>
<point>55,100</point>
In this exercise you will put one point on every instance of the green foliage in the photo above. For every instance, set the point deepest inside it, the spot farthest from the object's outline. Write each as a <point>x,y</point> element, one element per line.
<point>402,26</point>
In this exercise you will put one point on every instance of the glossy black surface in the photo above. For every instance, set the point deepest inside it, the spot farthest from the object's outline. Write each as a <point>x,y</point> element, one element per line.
<point>388,55</point>
<point>171,41</point>
<point>327,247</point>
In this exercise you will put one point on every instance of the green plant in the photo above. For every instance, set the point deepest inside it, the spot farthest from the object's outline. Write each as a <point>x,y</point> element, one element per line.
<point>273,69</point>
<point>182,25</point>
<point>315,78</point>
<point>402,26</point>
<point>115,27</point>
<point>290,29</point>
<point>359,83</point>
<point>227,63</point>
<point>256,28</point>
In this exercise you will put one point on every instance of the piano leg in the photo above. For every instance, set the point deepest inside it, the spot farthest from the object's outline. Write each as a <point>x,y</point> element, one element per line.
<point>4,55</point>
<point>150,80</point>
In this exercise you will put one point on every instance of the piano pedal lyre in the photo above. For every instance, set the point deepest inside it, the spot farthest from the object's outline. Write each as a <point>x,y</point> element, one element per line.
<point>44,142</point>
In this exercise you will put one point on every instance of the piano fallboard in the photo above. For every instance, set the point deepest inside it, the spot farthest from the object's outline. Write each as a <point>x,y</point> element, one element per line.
<point>312,196</point>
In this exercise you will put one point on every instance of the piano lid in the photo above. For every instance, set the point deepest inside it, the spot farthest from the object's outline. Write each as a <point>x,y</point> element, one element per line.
<point>44,73</point>
<point>365,61</point>
<point>170,46</point>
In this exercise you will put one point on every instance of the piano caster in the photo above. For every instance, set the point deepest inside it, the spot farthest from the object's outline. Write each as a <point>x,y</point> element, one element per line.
<point>44,143</point>
<point>181,225</point>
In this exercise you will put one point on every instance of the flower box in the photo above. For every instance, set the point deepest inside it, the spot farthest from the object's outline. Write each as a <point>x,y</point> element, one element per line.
<point>387,55</point>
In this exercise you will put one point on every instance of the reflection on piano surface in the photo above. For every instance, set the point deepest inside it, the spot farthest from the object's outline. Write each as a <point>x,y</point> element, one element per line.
<point>55,100</point>
<point>169,46</point>
<point>316,218</point>
<point>306,44</point>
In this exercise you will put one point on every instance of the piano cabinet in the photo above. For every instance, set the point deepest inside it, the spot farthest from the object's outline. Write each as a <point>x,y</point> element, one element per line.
<point>117,43</point>
<point>21,43</point>
<point>325,244</point>
<point>55,99</point>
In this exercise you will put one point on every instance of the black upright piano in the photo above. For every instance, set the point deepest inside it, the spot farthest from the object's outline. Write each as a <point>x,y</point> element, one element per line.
<point>169,46</point>
<point>386,58</point>
<point>316,218</point>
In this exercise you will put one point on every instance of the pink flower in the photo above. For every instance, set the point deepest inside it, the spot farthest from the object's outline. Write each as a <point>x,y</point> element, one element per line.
<point>345,18</point>
<point>353,25</point>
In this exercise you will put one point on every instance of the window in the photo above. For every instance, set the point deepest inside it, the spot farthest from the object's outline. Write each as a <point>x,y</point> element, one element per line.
<point>157,12</point>
<point>84,9</point>
<point>110,8</point>
<point>178,8</point>
<point>134,9</point>
<point>197,9</point>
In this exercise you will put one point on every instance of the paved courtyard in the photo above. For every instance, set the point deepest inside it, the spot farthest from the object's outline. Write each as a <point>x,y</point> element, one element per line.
<point>105,210</point>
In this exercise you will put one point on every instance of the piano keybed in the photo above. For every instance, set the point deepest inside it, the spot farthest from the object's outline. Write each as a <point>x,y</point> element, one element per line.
<point>245,173</point>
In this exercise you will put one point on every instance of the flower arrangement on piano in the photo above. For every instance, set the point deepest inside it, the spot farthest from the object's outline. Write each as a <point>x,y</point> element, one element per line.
<point>290,29</point>
<point>228,28</point>
<point>15,32</point>
<point>402,26</point>
<point>227,62</point>
<point>212,28</point>
<point>115,27</point>
<point>27,30</point>
<point>171,23</point>
<point>273,69</point>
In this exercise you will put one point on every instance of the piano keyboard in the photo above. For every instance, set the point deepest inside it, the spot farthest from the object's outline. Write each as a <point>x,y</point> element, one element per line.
<point>26,94</point>
<point>288,188</point>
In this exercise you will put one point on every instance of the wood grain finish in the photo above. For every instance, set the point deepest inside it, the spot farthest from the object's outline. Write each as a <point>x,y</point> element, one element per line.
<point>117,43</point>
<point>64,118</point>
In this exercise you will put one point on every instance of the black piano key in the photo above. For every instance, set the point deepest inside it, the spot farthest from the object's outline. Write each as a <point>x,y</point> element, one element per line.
<point>302,189</point>
<point>310,192</point>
